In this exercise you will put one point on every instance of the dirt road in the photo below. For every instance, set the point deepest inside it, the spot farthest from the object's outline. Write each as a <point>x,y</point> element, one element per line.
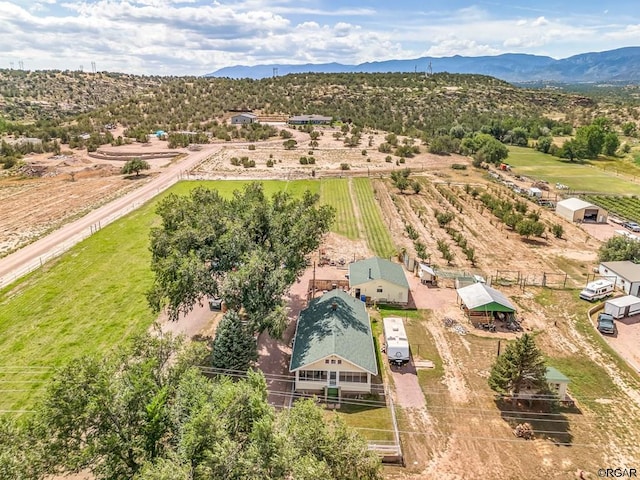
<point>34,255</point>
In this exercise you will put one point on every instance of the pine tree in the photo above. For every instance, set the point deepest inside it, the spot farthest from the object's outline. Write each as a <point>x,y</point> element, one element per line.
<point>234,347</point>
<point>520,365</point>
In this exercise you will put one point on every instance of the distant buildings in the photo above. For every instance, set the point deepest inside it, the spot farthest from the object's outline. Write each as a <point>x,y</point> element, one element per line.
<point>244,118</point>
<point>309,120</point>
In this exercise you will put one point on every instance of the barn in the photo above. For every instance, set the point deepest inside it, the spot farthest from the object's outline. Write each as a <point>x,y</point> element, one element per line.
<point>576,210</point>
<point>480,300</point>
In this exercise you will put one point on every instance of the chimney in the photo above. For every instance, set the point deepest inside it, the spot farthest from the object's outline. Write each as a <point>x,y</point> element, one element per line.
<point>369,274</point>
<point>334,306</point>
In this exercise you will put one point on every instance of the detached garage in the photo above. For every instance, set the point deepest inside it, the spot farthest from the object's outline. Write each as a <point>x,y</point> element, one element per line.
<point>576,210</point>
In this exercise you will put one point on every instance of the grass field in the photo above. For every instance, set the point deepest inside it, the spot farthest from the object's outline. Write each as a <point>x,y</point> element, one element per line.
<point>81,304</point>
<point>581,177</point>
<point>335,192</point>
<point>378,237</point>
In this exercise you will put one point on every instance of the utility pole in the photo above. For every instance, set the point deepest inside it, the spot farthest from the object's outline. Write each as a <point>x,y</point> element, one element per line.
<point>21,65</point>
<point>93,67</point>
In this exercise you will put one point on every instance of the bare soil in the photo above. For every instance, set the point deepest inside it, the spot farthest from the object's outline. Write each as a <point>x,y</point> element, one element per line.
<point>462,432</point>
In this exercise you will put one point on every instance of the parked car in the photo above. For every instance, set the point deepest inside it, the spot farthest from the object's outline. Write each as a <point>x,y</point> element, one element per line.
<point>606,324</point>
<point>633,226</point>
<point>215,303</point>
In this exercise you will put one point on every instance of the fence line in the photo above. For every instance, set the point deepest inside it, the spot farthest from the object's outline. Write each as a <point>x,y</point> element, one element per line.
<point>65,246</point>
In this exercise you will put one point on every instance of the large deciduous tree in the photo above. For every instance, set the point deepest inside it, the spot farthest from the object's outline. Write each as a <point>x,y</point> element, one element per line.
<point>620,248</point>
<point>135,165</point>
<point>521,364</point>
<point>149,413</point>
<point>248,249</point>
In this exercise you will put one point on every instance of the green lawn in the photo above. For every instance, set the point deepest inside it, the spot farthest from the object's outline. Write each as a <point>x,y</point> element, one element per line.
<point>581,177</point>
<point>373,423</point>
<point>335,192</point>
<point>87,301</point>
<point>378,237</point>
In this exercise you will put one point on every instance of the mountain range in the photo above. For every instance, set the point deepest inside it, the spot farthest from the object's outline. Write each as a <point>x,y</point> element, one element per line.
<point>620,66</point>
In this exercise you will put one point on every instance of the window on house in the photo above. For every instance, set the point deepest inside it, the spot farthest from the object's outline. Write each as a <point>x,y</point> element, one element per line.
<point>326,360</point>
<point>339,362</point>
<point>379,290</point>
<point>312,375</point>
<point>333,361</point>
<point>353,377</point>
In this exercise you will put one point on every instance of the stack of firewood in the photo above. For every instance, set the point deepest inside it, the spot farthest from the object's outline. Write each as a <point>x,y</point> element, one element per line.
<point>524,430</point>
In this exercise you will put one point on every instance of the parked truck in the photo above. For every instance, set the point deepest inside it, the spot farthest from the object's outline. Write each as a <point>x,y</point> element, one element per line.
<point>597,290</point>
<point>396,344</point>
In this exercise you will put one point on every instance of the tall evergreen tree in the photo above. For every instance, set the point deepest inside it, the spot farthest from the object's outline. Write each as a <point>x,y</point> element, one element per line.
<point>522,364</point>
<point>234,347</point>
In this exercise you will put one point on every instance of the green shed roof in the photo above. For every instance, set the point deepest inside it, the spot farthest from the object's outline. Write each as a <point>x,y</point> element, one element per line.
<point>482,298</point>
<point>323,330</point>
<point>554,375</point>
<point>376,268</point>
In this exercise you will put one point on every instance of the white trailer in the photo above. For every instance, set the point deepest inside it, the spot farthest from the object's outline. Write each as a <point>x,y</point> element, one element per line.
<point>395,341</point>
<point>597,290</point>
<point>622,307</point>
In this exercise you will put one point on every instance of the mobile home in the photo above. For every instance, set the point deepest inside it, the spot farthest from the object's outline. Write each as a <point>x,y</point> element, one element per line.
<point>597,290</point>
<point>395,341</point>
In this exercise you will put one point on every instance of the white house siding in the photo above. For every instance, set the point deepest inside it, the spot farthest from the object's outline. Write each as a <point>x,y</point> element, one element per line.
<point>630,288</point>
<point>390,291</point>
<point>241,120</point>
<point>343,366</point>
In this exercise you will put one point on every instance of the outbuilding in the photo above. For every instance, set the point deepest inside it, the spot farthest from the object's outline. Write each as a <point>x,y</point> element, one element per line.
<point>312,119</point>
<point>557,383</point>
<point>480,300</point>
<point>621,307</point>
<point>333,350</point>
<point>625,275</point>
<point>244,118</point>
<point>577,210</point>
<point>379,280</point>
<point>427,274</point>
<point>535,192</point>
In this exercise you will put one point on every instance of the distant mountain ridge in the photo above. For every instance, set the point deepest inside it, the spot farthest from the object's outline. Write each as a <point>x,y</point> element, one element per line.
<point>619,65</point>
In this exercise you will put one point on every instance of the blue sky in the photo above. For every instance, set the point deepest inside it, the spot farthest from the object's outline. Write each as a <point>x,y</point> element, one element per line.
<point>180,37</point>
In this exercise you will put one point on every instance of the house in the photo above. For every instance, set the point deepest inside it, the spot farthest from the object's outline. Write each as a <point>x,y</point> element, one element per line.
<point>379,280</point>
<point>333,351</point>
<point>427,275</point>
<point>244,118</point>
<point>480,300</point>
<point>557,384</point>
<point>576,210</point>
<point>309,120</point>
<point>624,274</point>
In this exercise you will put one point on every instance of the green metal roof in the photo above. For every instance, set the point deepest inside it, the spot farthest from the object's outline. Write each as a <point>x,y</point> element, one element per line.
<point>376,268</point>
<point>554,375</point>
<point>344,331</point>
<point>482,298</point>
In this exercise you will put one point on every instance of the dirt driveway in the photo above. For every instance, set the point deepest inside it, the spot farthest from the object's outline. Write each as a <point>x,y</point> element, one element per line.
<point>626,340</point>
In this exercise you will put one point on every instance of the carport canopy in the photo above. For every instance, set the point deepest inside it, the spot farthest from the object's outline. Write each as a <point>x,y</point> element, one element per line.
<point>482,298</point>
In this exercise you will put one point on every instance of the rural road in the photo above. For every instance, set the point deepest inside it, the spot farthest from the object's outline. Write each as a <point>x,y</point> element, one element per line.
<point>32,256</point>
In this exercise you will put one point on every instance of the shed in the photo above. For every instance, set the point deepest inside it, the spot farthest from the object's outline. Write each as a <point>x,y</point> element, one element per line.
<point>427,274</point>
<point>556,381</point>
<point>479,299</point>
<point>244,118</point>
<point>535,192</point>
<point>577,210</point>
<point>621,307</point>
<point>625,275</point>
<point>333,349</point>
<point>379,279</point>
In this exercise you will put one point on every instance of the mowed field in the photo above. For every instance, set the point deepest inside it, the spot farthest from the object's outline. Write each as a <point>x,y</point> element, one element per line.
<point>93,297</point>
<point>580,177</point>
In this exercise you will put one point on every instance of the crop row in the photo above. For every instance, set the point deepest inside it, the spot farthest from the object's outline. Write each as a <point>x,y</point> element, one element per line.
<point>378,237</point>
<point>626,207</point>
<point>335,192</point>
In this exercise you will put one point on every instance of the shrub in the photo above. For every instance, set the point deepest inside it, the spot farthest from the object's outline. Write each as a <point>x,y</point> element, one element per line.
<point>557,230</point>
<point>252,147</point>
<point>388,159</point>
<point>270,163</point>
<point>303,161</point>
<point>345,166</point>
<point>458,166</point>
